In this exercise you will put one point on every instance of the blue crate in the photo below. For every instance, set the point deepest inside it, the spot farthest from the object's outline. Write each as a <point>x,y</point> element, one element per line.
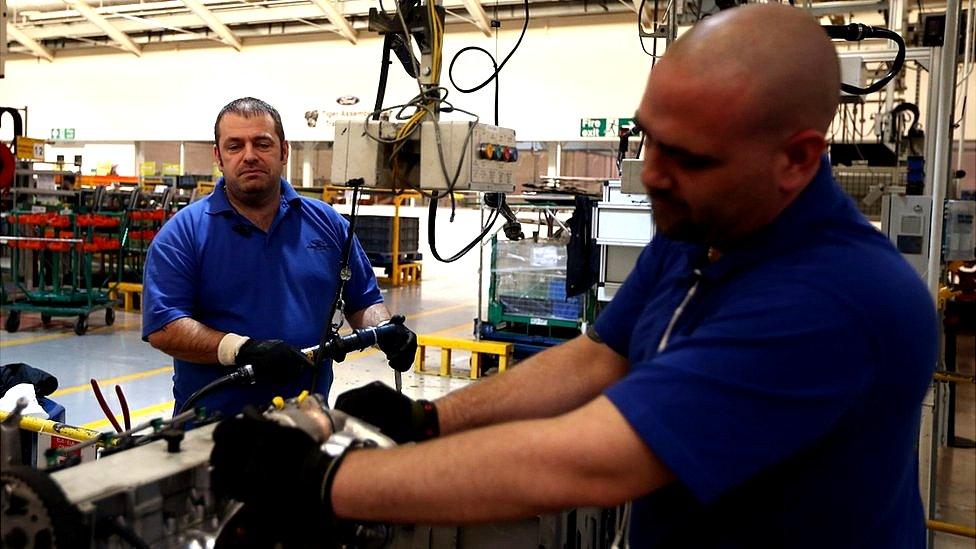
<point>557,289</point>
<point>571,309</point>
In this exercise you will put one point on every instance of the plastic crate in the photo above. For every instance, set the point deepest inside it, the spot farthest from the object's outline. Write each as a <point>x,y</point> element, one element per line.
<point>571,309</point>
<point>375,233</point>
<point>525,306</point>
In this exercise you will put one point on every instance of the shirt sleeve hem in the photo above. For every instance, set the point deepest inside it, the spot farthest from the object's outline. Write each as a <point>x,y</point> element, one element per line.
<point>668,448</point>
<point>160,321</point>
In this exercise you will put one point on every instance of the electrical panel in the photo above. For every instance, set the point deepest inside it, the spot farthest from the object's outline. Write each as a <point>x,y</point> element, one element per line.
<point>356,155</point>
<point>960,232</point>
<point>907,221</point>
<point>851,68</point>
<point>630,181</point>
<point>484,162</point>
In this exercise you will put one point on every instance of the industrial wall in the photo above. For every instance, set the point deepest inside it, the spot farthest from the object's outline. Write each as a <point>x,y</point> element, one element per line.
<point>562,72</point>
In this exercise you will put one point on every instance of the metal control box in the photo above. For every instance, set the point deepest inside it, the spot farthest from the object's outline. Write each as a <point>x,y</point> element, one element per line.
<point>907,221</point>
<point>355,155</point>
<point>484,162</point>
<point>630,181</point>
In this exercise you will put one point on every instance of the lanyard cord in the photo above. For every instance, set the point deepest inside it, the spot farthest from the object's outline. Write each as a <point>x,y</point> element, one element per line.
<point>677,312</point>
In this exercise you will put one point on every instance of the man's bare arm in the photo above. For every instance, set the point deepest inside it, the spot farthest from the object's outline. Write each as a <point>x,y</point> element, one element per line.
<point>550,383</point>
<point>591,456</point>
<point>187,339</point>
<point>370,316</point>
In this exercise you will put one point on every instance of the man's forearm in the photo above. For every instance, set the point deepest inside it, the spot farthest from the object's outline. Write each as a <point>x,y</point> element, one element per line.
<point>550,383</point>
<point>187,339</point>
<point>588,457</point>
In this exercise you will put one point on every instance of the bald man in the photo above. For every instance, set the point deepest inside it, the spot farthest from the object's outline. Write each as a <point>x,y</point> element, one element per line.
<point>756,381</point>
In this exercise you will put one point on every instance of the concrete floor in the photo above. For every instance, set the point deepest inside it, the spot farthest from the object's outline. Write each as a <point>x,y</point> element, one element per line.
<point>445,304</point>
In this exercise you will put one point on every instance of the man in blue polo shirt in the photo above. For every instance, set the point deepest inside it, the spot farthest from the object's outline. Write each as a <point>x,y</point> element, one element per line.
<point>248,274</point>
<point>757,380</point>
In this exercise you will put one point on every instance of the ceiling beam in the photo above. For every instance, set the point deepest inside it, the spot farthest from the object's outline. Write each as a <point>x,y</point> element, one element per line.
<point>34,46</point>
<point>231,39</point>
<point>115,34</point>
<point>335,16</point>
<point>477,12</point>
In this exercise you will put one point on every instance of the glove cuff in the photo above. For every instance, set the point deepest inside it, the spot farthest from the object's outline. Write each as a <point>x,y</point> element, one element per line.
<point>228,347</point>
<point>425,420</point>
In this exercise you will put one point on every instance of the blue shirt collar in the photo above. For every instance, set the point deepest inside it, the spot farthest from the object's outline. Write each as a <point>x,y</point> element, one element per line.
<point>218,203</point>
<point>817,205</point>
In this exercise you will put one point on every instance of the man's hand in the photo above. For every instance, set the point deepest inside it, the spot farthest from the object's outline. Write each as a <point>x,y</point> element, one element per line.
<point>282,476</point>
<point>400,347</point>
<point>398,417</point>
<point>273,360</point>
<point>267,465</point>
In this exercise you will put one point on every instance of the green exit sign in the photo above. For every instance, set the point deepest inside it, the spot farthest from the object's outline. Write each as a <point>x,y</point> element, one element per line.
<point>63,134</point>
<point>604,127</point>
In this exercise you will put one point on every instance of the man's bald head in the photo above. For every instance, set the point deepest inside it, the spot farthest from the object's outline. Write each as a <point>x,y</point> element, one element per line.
<point>777,58</point>
<point>735,117</point>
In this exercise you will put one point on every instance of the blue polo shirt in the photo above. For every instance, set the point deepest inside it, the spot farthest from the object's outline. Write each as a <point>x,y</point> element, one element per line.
<point>787,399</point>
<point>213,265</point>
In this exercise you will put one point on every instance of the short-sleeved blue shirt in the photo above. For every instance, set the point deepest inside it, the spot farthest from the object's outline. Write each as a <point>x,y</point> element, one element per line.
<point>213,265</point>
<point>787,399</point>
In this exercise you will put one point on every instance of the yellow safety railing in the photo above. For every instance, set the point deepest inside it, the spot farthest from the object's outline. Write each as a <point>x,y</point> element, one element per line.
<point>448,344</point>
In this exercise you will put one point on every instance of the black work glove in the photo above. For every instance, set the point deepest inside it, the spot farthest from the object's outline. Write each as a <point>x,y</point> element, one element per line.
<point>400,346</point>
<point>273,360</point>
<point>397,416</point>
<point>278,472</point>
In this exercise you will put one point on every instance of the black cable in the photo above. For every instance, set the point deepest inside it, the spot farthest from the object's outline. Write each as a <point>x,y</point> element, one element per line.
<point>640,30</point>
<point>856,32</point>
<point>431,218</point>
<point>232,377</point>
<point>498,68</point>
<point>384,72</point>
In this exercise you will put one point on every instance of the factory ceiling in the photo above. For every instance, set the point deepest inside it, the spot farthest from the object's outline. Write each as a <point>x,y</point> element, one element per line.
<point>45,28</point>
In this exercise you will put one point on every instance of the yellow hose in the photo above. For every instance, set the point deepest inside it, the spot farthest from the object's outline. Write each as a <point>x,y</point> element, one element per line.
<point>949,528</point>
<point>54,428</point>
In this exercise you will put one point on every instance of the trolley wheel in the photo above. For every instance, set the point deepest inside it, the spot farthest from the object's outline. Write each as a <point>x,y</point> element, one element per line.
<point>82,325</point>
<point>46,319</point>
<point>13,321</point>
<point>109,316</point>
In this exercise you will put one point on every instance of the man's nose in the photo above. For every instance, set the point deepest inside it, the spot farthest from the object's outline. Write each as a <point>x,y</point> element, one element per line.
<point>250,153</point>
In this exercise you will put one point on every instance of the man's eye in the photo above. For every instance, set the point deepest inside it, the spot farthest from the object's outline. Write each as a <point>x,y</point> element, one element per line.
<point>693,163</point>
<point>233,147</point>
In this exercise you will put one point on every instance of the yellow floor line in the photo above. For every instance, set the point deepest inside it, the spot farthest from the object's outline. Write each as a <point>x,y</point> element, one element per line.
<point>440,310</point>
<point>62,335</point>
<point>125,326</point>
<point>136,416</point>
<point>373,350</point>
<point>169,369</point>
<point>168,406</point>
<point>117,379</point>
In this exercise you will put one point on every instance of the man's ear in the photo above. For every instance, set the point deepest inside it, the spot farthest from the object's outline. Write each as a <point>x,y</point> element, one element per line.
<point>220,161</point>
<point>284,151</point>
<point>800,160</point>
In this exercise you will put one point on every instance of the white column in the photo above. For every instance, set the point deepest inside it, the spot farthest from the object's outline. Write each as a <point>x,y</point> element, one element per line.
<point>555,152</point>
<point>308,149</point>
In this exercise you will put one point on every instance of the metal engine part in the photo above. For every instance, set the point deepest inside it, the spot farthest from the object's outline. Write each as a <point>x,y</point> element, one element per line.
<point>158,495</point>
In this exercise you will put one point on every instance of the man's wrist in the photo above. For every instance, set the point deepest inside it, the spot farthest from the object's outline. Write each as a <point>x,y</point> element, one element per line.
<point>228,348</point>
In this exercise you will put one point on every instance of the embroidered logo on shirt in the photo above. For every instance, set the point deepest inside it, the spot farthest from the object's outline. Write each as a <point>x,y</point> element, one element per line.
<point>318,244</point>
